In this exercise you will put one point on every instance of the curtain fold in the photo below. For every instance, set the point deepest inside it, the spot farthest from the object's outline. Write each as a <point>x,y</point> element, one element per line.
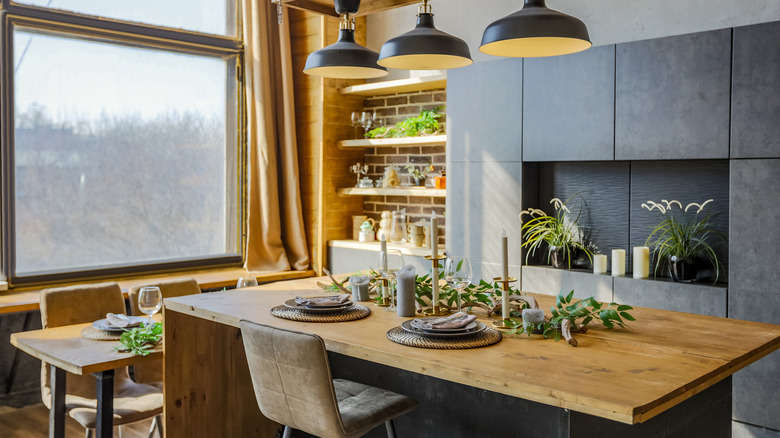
<point>276,239</point>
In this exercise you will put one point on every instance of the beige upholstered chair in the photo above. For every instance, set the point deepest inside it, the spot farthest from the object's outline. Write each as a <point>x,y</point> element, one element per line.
<point>78,304</point>
<point>151,373</point>
<point>293,385</point>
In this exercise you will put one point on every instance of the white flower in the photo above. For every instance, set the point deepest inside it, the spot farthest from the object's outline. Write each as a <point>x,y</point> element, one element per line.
<point>559,205</point>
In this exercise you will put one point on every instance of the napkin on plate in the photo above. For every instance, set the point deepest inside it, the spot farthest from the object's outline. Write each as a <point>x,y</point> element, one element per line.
<point>323,301</point>
<point>458,320</point>
<point>118,320</point>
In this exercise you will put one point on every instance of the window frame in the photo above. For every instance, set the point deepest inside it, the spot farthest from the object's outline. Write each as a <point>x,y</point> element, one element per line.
<point>143,36</point>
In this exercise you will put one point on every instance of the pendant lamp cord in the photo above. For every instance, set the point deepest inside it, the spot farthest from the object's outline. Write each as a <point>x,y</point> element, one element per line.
<point>348,23</point>
<point>424,8</point>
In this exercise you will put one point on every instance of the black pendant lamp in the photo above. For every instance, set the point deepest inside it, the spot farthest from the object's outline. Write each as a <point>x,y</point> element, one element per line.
<point>535,31</point>
<point>425,47</point>
<point>345,59</point>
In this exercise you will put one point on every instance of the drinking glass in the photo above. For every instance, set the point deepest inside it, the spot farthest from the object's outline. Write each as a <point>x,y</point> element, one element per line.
<point>150,301</point>
<point>390,263</point>
<point>356,121</point>
<point>246,282</point>
<point>368,119</point>
<point>457,274</point>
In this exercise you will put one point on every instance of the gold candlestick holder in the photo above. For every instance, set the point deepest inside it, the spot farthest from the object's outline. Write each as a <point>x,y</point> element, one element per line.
<point>436,310</point>
<point>385,299</point>
<point>503,323</point>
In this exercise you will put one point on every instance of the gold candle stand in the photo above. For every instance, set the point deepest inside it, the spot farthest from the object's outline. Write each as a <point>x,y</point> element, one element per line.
<point>385,299</point>
<point>503,323</point>
<point>436,310</point>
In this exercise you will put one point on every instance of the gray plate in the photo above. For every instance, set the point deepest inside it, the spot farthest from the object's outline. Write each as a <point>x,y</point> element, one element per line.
<point>293,305</point>
<point>478,327</point>
<point>135,321</point>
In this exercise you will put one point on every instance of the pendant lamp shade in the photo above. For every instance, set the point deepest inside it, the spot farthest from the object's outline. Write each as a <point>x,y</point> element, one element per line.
<point>425,48</point>
<point>535,31</point>
<point>345,59</point>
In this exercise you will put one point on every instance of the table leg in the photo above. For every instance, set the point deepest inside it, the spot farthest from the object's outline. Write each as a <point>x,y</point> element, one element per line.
<point>57,411</point>
<point>105,403</point>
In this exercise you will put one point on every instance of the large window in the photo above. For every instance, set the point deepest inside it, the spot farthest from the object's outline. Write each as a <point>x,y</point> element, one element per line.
<point>122,150</point>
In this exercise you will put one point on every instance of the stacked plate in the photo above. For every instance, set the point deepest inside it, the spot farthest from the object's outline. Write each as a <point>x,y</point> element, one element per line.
<point>319,307</point>
<point>468,330</point>
<point>135,321</point>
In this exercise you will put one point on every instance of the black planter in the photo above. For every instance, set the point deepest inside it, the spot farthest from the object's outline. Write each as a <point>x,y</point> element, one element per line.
<point>683,270</point>
<point>558,257</point>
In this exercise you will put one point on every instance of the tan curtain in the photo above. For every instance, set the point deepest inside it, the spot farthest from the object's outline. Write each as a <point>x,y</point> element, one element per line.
<point>276,240</point>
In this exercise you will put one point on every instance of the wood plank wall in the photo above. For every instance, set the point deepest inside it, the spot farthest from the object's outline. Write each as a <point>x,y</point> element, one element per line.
<point>323,118</point>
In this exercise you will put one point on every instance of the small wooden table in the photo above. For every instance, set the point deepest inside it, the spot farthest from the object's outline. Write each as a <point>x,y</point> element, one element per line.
<point>65,350</point>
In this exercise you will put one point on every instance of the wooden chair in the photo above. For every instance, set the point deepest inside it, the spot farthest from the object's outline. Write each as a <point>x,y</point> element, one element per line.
<point>293,385</point>
<point>78,304</point>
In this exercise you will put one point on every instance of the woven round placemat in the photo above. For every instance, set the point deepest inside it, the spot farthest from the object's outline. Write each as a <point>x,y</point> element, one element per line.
<point>358,311</point>
<point>90,332</point>
<point>484,338</point>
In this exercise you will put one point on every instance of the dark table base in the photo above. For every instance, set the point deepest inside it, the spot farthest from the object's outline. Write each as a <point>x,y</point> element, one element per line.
<point>452,410</point>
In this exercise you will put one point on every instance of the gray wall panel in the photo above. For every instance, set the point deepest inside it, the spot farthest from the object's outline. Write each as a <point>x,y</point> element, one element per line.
<point>481,202</point>
<point>754,295</point>
<point>349,260</point>
<point>672,97</point>
<point>668,295</point>
<point>569,106</point>
<point>484,112</point>
<point>755,110</point>
<point>551,281</point>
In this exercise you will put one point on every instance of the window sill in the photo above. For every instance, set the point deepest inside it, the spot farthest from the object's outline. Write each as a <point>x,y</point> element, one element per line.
<point>28,299</point>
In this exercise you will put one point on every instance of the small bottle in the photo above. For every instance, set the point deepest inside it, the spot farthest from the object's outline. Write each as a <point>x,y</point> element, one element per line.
<point>441,181</point>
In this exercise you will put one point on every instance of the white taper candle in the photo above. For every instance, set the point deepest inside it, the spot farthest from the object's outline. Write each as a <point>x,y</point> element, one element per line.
<point>504,276</point>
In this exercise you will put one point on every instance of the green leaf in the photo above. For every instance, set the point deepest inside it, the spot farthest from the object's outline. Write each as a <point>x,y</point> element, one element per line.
<point>627,316</point>
<point>624,307</point>
<point>570,296</point>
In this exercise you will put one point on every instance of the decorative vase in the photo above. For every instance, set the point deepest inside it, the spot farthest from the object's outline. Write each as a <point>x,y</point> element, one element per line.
<point>557,257</point>
<point>683,270</point>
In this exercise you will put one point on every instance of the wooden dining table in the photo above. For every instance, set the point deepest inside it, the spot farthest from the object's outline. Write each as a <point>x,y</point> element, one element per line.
<point>667,369</point>
<point>66,351</point>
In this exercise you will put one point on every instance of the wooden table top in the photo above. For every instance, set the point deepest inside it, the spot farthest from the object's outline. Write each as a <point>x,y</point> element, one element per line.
<point>64,348</point>
<point>624,375</point>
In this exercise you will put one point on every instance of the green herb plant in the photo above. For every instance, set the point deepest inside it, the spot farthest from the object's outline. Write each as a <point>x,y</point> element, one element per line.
<point>140,340</point>
<point>580,312</point>
<point>483,292</point>
<point>560,232</point>
<point>427,123</point>
<point>686,236</point>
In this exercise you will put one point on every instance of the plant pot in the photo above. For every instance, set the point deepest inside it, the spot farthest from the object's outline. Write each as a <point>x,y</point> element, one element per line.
<point>558,257</point>
<point>683,270</point>
<point>579,259</point>
<point>418,181</point>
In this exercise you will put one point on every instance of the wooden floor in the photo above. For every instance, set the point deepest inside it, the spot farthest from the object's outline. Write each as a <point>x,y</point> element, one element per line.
<point>33,422</point>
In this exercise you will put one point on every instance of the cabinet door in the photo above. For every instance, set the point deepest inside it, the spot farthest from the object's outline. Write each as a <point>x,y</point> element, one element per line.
<point>569,107</point>
<point>672,97</point>
<point>755,111</point>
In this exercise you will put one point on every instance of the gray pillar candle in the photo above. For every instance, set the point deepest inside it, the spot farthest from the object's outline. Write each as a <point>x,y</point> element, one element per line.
<point>359,288</point>
<point>405,290</point>
<point>533,316</point>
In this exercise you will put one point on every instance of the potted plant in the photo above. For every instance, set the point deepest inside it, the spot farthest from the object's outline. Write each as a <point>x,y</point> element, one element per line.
<point>684,240</point>
<point>418,173</point>
<point>559,232</point>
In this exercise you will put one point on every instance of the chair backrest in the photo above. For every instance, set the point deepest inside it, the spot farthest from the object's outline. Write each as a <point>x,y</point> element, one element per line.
<point>168,288</point>
<point>73,305</point>
<point>152,372</point>
<point>292,380</point>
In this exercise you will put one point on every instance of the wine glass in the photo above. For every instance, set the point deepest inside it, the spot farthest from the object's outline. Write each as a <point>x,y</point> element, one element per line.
<point>246,282</point>
<point>368,119</point>
<point>390,263</point>
<point>150,301</point>
<point>356,120</point>
<point>457,274</point>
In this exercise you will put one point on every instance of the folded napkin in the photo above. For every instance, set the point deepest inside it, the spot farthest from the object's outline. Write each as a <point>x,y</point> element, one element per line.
<point>118,320</point>
<point>458,320</point>
<point>322,301</point>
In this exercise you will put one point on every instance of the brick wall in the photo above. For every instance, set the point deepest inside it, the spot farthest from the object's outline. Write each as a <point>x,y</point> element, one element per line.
<point>391,110</point>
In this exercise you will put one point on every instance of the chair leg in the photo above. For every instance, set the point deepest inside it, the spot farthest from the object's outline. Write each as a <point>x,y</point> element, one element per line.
<point>156,424</point>
<point>121,431</point>
<point>390,428</point>
<point>89,432</point>
<point>287,432</point>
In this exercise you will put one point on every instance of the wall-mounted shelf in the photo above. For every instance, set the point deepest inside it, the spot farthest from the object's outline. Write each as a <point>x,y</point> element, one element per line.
<point>411,191</point>
<point>409,250</point>
<point>398,86</point>
<point>430,140</point>
<point>325,7</point>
